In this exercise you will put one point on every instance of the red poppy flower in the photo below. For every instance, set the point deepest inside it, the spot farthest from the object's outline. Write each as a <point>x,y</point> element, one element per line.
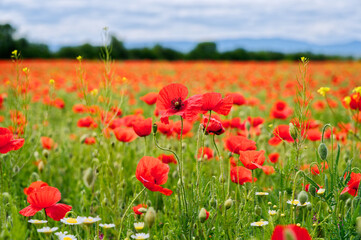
<point>238,99</point>
<point>136,208</point>
<point>236,144</point>
<point>7,141</point>
<point>150,98</point>
<point>315,170</point>
<point>87,122</point>
<point>207,153</point>
<point>281,133</point>
<point>124,134</point>
<point>167,158</point>
<point>172,101</point>
<point>268,170</point>
<point>116,111</point>
<point>280,110</point>
<point>252,159</point>
<point>241,175</point>
<point>214,102</point>
<point>90,140</point>
<point>255,121</point>
<point>34,186</point>
<point>214,126</point>
<point>291,231</point>
<point>273,157</point>
<point>353,184</point>
<point>48,143</point>
<point>79,108</point>
<point>314,135</point>
<point>187,127</point>
<point>166,129</point>
<point>152,173</point>
<point>46,198</point>
<point>143,128</point>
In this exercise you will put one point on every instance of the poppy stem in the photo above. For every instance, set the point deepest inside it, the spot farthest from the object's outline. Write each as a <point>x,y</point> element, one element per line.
<point>145,146</point>
<point>181,167</point>
<point>125,213</point>
<point>220,164</point>
<point>45,215</point>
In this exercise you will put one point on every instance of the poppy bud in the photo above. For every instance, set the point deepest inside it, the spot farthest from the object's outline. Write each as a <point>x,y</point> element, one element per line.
<point>293,131</point>
<point>175,174</point>
<point>202,215</point>
<point>89,177</point>
<point>46,153</point>
<point>123,184</point>
<point>258,210</point>
<point>149,218</point>
<point>358,225</point>
<point>95,161</point>
<point>302,197</point>
<point>309,207</point>
<point>213,202</point>
<point>228,204</point>
<point>348,203</point>
<point>322,151</point>
<point>40,166</point>
<point>149,203</point>
<point>36,154</point>
<point>142,210</point>
<point>289,235</point>
<point>155,128</point>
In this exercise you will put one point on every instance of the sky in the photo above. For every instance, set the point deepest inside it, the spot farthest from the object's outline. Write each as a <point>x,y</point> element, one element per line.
<point>72,22</point>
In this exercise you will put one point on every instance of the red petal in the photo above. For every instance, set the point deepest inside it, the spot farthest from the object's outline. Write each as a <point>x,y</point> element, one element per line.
<point>44,197</point>
<point>169,93</point>
<point>30,211</point>
<point>58,211</point>
<point>211,100</point>
<point>224,107</point>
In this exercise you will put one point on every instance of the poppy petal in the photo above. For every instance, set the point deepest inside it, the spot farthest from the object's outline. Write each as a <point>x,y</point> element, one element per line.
<point>29,211</point>
<point>58,211</point>
<point>44,197</point>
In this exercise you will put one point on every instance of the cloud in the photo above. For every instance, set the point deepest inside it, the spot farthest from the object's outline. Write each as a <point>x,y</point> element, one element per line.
<point>73,22</point>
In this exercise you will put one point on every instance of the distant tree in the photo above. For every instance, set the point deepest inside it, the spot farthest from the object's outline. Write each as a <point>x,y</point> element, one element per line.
<point>118,49</point>
<point>166,53</point>
<point>7,43</point>
<point>203,51</point>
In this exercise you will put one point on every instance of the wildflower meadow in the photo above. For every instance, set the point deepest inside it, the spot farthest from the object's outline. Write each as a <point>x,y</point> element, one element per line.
<point>179,150</point>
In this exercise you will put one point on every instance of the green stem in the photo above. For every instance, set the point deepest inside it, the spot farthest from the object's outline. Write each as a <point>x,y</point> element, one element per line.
<point>125,213</point>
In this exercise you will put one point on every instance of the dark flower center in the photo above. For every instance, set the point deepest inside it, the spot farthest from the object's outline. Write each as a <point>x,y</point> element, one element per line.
<point>177,104</point>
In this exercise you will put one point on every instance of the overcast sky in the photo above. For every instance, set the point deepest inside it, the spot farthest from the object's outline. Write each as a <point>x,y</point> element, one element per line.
<point>64,22</point>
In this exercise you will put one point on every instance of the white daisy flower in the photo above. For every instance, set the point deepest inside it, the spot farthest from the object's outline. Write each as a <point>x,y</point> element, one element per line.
<point>294,202</point>
<point>47,230</point>
<point>321,191</point>
<point>90,220</point>
<point>61,233</point>
<point>72,221</point>
<point>35,221</point>
<point>272,212</point>
<point>139,226</point>
<point>67,237</point>
<point>302,205</point>
<point>262,193</point>
<point>109,225</point>
<point>259,224</point>
<point>140,236</point>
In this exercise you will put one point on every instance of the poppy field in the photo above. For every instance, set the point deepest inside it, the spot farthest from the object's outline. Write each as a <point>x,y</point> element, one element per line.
<point>179,150</point>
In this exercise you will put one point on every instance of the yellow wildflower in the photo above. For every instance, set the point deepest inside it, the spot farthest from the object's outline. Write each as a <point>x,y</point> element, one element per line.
<point>323,90</point>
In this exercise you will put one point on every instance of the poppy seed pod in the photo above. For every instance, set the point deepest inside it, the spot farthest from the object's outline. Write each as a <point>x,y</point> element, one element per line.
<point>149,218</point>
<point>213,202</point>
<point>155,128</point>
<point>202,215</point>
<point>228,203</point>
<point>142,210</point>
<point>293,131</point>
<point>89,177</point>
<point>322,151</point>
<point>45,153</point>
<point>302,197</point>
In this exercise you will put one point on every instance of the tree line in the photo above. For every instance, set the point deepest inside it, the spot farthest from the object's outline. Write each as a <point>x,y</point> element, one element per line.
<point>202,51</point>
